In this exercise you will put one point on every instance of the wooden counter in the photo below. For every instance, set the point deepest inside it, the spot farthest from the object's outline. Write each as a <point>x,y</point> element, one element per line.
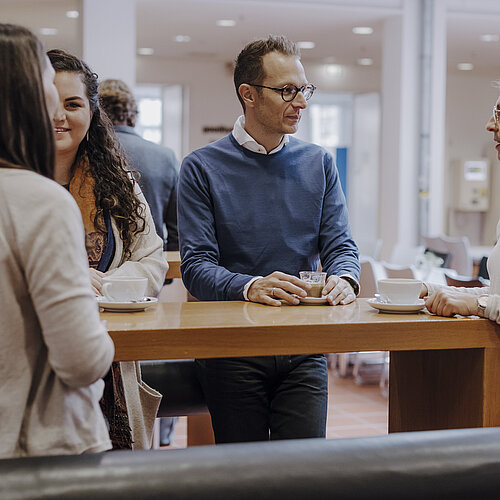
<point>445,372</point>
<point>174,264</point>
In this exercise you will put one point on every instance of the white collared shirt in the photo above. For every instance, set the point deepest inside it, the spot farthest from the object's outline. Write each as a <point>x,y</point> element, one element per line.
<point>243,138</point>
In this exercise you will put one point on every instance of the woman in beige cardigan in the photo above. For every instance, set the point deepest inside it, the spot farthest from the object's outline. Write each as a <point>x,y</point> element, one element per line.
<point>53,347</point>
<point>120,232</point>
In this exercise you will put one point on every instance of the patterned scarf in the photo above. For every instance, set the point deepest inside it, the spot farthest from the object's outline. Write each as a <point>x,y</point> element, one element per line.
<point>81,188</point>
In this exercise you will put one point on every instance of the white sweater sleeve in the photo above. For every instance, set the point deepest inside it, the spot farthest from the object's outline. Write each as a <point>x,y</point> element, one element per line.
<point>492,311</point>
<point>50,244</point>
<point>146,259</point>
<point>434,287</point>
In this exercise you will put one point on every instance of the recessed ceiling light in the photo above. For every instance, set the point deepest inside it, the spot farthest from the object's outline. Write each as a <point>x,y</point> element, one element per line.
<point>306,45</point>
<point>465,66</point>
<point>48,31</point>
<point>182,38</point>
<point>72,14</point>
<point>365,61</point>
<point>362,30</point>
<point>488,37</point>
<point>334,69</point>
<point>145,51</point>
<point>226,23</point>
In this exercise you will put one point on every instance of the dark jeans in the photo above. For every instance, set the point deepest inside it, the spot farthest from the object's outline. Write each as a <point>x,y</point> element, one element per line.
<point>262,398</point>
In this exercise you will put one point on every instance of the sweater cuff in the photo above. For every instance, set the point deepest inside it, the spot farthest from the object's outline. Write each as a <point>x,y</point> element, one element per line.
<point>352,281</point>
<point>247,286</point>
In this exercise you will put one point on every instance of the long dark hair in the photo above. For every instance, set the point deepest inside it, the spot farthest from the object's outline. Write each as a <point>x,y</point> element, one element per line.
<point>101,152</point>
<point>26,131</point>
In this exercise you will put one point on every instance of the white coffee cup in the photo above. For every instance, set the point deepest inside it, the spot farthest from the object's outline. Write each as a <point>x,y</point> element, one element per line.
<point>399,290</point>
<point>124,288</point>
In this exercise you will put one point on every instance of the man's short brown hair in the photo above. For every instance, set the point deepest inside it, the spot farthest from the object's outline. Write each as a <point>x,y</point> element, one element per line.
<point>118,102</point>
<point>249,68</point>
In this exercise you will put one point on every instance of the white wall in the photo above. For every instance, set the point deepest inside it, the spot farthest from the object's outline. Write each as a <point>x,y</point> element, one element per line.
<point>364,170</point>
<point>212,98</point>
<point>468,106</point>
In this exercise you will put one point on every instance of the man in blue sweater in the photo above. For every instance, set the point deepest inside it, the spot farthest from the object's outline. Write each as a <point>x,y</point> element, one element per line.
<point>255,208</point>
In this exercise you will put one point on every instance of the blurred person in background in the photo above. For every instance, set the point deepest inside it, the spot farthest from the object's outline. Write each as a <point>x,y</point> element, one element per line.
<point>157,165</point>
<point>53,347</point>
<point>120,234</point>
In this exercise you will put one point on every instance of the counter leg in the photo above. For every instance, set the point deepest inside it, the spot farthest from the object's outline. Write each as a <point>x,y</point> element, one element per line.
<point>199,430</point>
<point>444,389</point>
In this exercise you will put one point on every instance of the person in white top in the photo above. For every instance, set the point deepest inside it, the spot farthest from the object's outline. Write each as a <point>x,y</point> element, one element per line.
<point>120,234</point>
<point>53,347</point>
<point>484,301</point>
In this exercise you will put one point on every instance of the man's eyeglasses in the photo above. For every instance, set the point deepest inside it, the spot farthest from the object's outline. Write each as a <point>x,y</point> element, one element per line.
<point>496,114</point>
<point>289,92</point>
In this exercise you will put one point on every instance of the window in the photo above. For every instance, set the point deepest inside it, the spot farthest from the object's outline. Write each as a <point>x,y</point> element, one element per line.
<point>161,115</point>
<point>325,125</point>
<point>149,121</point>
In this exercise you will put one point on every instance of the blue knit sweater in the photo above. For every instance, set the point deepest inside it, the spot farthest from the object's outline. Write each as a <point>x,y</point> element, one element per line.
<point>243,214</point>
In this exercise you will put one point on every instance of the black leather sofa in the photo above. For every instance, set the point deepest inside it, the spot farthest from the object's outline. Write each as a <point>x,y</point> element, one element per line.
<point>457,464</point>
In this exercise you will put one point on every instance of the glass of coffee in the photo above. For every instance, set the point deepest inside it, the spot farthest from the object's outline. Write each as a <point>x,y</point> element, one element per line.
<point>317,281</point>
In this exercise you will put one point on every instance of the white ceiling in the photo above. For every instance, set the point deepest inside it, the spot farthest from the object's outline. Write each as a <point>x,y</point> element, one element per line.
<point>328,23</point>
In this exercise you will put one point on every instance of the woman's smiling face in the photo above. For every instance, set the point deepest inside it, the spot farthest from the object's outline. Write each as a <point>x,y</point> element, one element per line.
<point>73,115</point>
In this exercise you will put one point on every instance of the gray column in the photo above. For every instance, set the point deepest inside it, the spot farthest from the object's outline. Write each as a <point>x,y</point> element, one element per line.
<point>412,146</point>
<point>432,167</point>
<point>400,99</point>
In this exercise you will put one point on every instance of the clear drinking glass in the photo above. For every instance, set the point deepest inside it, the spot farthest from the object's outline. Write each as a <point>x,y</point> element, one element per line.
<point>317,281</point>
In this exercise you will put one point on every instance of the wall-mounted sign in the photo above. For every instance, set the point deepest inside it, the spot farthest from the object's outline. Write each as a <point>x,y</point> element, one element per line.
<point>221,129</point>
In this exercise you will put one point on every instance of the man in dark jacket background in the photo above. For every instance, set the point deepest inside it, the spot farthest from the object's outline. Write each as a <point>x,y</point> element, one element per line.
<point>156,164</point>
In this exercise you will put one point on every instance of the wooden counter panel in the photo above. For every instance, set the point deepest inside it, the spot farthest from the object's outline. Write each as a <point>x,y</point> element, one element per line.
<point>174,265</point>
<point>444,372</point>
<point>435,390</point>
<point>225,329</point>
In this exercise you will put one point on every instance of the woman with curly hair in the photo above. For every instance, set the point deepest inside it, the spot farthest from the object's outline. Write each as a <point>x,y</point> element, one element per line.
<point>119,230</point>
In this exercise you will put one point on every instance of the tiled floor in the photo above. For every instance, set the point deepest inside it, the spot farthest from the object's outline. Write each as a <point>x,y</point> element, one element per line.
<point>353,410</point>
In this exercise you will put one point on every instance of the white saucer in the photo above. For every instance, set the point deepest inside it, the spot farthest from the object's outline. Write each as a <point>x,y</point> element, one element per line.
<point>141,305</point>
<point>313,301</point>
<point>397,308</point>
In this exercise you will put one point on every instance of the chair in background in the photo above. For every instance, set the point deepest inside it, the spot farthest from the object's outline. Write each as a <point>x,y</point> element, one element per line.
<point>363,364</point>
<point>458,248</point>
<point>394,271</point>
<point>404,255</point>
<point>373,367</point>
<point>464,281</point>
<point>367,278</point>
<point>483,268</point>
<point>369,366</point>
<point>369,248</point>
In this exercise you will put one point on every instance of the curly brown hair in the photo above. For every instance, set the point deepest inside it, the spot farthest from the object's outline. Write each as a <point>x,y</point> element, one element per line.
<point>101,151</point>
<point>118,101</point>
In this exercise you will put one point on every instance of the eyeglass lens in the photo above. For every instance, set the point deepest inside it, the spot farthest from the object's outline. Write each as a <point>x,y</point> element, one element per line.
<point>289,92</point>
<point>496,114</point>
